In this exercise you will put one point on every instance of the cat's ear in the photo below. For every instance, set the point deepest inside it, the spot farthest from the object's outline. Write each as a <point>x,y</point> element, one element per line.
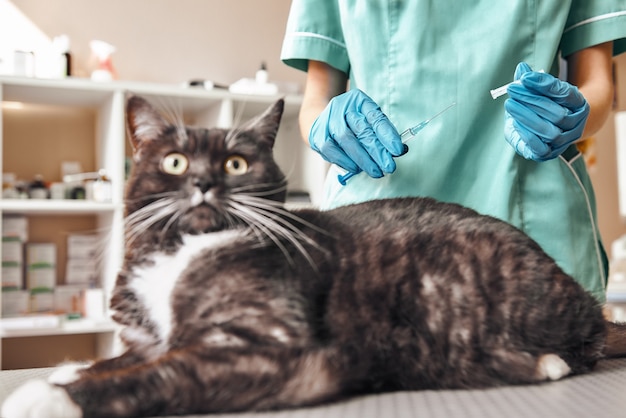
<point>266,125</point>
<point>144,122</point>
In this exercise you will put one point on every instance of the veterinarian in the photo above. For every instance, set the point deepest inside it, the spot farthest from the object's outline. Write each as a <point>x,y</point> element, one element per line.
<point>513,157</point>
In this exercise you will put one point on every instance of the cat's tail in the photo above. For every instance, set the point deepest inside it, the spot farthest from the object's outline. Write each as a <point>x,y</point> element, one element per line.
<point>615,340</point>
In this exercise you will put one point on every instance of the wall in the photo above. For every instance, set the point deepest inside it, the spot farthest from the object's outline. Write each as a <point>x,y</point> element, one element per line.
<point>172,41</point>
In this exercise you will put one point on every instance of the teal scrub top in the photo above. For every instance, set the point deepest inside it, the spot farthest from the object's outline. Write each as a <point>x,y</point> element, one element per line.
<point>416,57</point>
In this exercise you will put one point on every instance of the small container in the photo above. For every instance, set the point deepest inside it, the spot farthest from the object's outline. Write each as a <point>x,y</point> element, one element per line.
<point>8,186</point>
<point>261,76</point>
<point>100,190</point>
<point>57,191</point>
<point>37,189</point>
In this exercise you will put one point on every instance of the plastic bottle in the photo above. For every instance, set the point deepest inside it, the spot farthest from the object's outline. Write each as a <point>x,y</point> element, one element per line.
<point>37,189</point>
<point>261,75</point>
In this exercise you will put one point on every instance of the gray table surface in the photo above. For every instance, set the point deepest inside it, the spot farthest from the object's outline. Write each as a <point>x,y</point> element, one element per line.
<point>599,394</point>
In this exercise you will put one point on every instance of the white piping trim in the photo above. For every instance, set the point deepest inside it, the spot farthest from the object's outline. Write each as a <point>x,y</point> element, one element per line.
<point>595,19</point>
<point>589,212</point>
<point>318,36</point>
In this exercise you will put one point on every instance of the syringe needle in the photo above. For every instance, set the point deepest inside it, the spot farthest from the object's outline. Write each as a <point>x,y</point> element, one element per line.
<point>411,132</point>
<point>404,136</point>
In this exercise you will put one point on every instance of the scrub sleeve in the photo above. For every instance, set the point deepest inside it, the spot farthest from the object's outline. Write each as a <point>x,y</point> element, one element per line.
<point>416,57</point>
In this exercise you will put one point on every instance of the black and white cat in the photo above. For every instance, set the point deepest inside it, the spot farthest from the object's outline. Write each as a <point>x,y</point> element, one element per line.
<point>231,302</point>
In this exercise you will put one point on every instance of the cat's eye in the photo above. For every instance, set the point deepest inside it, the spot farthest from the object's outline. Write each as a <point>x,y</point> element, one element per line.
<point>236,165</point>
<point>175,164</point>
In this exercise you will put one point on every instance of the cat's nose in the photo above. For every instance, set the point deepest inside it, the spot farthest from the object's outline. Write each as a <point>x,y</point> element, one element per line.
<point>203,184</point>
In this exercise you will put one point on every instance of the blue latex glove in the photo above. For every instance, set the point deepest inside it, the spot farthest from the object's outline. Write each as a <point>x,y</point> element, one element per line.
<point>355,134</point>
<point>544,115</point>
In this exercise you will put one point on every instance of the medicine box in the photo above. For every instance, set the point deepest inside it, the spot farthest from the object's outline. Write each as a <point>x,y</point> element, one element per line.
<point>41,254</point>
<point>15,302</point>
<point>12,264</point>
<point>41,278</point>
<point>12,276</point>
<point>12,251</point>
<point>81,272</point>
<point>42,301</point>
<point>15,227</point>
<point>41,265</point>
<point>83,246</point>
<point>68,299</point>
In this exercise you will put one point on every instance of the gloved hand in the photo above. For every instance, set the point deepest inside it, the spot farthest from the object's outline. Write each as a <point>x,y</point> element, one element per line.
<point>544,115</point>
<point>355,134</point>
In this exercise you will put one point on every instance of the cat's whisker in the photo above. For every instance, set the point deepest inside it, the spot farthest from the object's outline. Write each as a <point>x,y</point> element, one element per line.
<point>261,189</point>
<point>268,210</point>
<point>172,221</point>
<point>278,208</point>
<point>278,225</point>
<point>140,220</point>
<point>251,218</point>
<point>291,230</point>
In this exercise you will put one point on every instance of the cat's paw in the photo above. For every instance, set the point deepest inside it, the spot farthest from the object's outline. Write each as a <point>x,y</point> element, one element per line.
<point>67,373</point>
<point>552,367</point>
<point>39,399</point>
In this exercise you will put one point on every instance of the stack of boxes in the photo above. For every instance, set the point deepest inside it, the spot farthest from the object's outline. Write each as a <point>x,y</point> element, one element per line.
<point>29,274</point>
<point>41,277</point>
<point>81,277</point>
<point>15,299</point>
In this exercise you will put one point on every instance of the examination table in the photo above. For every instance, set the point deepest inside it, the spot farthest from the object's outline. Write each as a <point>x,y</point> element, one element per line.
<point>599,394</point>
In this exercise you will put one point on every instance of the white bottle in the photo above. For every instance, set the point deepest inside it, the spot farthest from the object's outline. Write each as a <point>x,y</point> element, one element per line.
<point>261,75</point>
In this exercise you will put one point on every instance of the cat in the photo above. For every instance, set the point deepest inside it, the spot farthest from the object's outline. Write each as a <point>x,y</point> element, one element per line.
<point>231,302</point>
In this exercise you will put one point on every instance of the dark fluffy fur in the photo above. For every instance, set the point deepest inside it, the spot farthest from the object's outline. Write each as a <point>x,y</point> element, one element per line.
<point>304,307</point>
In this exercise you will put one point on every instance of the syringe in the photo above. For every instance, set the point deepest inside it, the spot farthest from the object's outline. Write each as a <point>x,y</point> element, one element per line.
<point>501,91</point>
<point>404,136</point>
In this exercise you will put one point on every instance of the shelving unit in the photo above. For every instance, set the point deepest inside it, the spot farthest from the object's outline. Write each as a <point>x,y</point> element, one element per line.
<point>101,106</point>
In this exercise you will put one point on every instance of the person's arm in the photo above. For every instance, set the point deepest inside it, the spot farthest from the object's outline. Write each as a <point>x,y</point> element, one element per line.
<point>591,71</point>
<point>323,82</point>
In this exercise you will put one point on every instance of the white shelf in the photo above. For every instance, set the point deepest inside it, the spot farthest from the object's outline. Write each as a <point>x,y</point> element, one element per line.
<point>106,101</point>
<point>49,326</point>
<point>55,207</point>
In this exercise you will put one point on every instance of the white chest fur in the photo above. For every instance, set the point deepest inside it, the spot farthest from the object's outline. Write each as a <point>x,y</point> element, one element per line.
<point>153,284</point>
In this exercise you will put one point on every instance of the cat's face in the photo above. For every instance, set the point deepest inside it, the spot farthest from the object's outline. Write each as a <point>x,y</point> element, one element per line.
<point>194,180</point>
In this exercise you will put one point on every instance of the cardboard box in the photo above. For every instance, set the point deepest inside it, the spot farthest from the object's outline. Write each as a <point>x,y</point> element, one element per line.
<point>81,272</point>
<point>12,276</point>
<point>42,301</point>
<point>15,227</point>
<point>40,255</point>
<point>68,299</point>
<point>83,246</point>
<point>15,303</point>
<point>41,278</point>
<point>12,250</point>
